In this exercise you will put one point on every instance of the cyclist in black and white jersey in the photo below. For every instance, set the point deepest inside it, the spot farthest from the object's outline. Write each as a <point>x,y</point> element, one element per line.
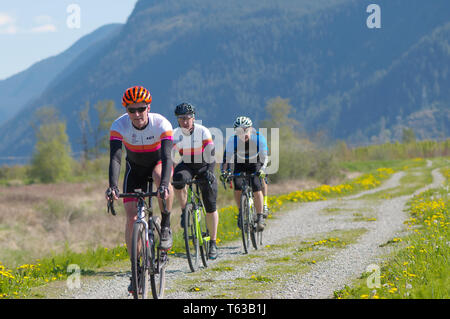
<point>194,143</point>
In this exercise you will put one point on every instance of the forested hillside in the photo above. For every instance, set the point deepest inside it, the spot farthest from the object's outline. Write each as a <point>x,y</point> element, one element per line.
<point>230,58</point>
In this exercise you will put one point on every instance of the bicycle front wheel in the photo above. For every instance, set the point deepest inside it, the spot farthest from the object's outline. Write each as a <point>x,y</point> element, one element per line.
<point>158,263</point>
<point>191,241</point>
<point>245,222</point>
<point>253,233</point>
<point>139,262</point>
<point>205,238</point>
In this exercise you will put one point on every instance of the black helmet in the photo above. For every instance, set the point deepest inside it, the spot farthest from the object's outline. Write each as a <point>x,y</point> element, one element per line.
<point>184,108</point>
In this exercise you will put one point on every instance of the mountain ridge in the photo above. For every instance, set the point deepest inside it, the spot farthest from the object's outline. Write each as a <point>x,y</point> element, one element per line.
<point>31,83</point>
<point>231,58</point>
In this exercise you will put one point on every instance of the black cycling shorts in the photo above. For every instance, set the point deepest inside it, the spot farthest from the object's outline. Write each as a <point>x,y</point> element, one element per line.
<point>184,172</point>
<point>249,168</point>
<point>136,177</point>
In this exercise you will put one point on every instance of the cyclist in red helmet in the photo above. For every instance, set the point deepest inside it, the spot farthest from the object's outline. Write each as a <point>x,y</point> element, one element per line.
<point>148,140</point>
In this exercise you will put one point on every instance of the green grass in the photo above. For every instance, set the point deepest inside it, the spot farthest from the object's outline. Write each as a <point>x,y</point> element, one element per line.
<point>276,264</point>
<point>413,180</point>
<point>372,166</point>
<point>419,268</point>
<point>18,281</point>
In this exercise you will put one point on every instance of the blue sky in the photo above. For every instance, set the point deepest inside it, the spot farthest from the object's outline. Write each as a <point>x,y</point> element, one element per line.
<point>32,30</point>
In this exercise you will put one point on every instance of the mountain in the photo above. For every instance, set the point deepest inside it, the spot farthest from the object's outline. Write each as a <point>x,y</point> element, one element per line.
<point>22,87</point>
<point>230,57</point>
<point>411,92</point>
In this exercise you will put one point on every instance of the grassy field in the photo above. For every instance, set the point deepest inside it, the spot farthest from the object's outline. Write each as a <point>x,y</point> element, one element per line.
<point>419,268</point>
<point>45,228</point>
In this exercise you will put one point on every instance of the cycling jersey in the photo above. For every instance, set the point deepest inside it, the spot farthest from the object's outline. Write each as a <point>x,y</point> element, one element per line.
<point>196,148</point>
<point>250,152</point>
<point>197,152</point>
<point>145,147</point>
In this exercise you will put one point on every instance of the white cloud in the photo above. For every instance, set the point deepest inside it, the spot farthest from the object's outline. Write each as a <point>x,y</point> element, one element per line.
<point>11,29</point>
<point>44,28</point>
<point>7,24</point>
<point>45,24</point>
<point>42,19</point>
<point>5,19</point>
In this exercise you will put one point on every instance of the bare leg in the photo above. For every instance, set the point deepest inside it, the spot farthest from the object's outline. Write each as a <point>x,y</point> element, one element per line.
<point>130,209</point>
<point>237,198</point>
<point>264,187</point>
<point>157,180</point>
<point>212,221</point>
<point>181,195</point>
<point>259,199</point>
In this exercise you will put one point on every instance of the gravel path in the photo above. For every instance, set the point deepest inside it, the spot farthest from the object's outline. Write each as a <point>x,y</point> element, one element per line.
<point>301,223</point>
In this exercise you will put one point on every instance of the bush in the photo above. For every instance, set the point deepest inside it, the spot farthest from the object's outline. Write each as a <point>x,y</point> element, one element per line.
<point>299,157</point>
<point>51,160</point>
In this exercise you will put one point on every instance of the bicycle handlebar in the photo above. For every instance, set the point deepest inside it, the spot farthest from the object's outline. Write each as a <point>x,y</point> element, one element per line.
<point>242,174</point>
<point>142,195</point>
<point>138,195</point>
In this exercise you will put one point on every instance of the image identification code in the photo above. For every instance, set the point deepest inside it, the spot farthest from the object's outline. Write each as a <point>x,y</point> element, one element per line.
<point>230,308</point>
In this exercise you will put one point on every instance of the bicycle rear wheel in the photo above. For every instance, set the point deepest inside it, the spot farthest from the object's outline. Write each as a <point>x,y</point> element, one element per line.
<point>139,258</point>
<point>245,223</point>
<point>158,263</point>
<point>191,241</point>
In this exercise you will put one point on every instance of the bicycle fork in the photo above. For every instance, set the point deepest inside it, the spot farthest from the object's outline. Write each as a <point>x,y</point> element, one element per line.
<point>141,219</point>
<point>198,217</point>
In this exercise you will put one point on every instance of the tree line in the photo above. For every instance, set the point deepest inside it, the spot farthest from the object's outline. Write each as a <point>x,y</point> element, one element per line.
<point>52,159</point>
<point>300,155</point>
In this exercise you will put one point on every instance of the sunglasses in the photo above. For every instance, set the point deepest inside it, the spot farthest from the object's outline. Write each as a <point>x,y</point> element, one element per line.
<point>137,109</point>
<point>241,130</point>
<point>184,117</point>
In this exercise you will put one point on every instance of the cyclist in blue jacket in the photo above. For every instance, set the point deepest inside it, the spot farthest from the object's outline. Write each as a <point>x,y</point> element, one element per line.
<point>247,151</point>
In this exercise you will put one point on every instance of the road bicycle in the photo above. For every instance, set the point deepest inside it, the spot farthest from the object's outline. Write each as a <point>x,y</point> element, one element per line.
<point>148,260</point>
<point>247,216</point>
<point>196,233</point>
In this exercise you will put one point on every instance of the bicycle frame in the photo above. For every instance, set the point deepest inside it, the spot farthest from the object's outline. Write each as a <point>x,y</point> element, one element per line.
<point>247,192</point>
<point>196,234</point>
<point>246,186</point>
<point>154,259</point>
<point>141,218</point>
<point>197,208</point>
